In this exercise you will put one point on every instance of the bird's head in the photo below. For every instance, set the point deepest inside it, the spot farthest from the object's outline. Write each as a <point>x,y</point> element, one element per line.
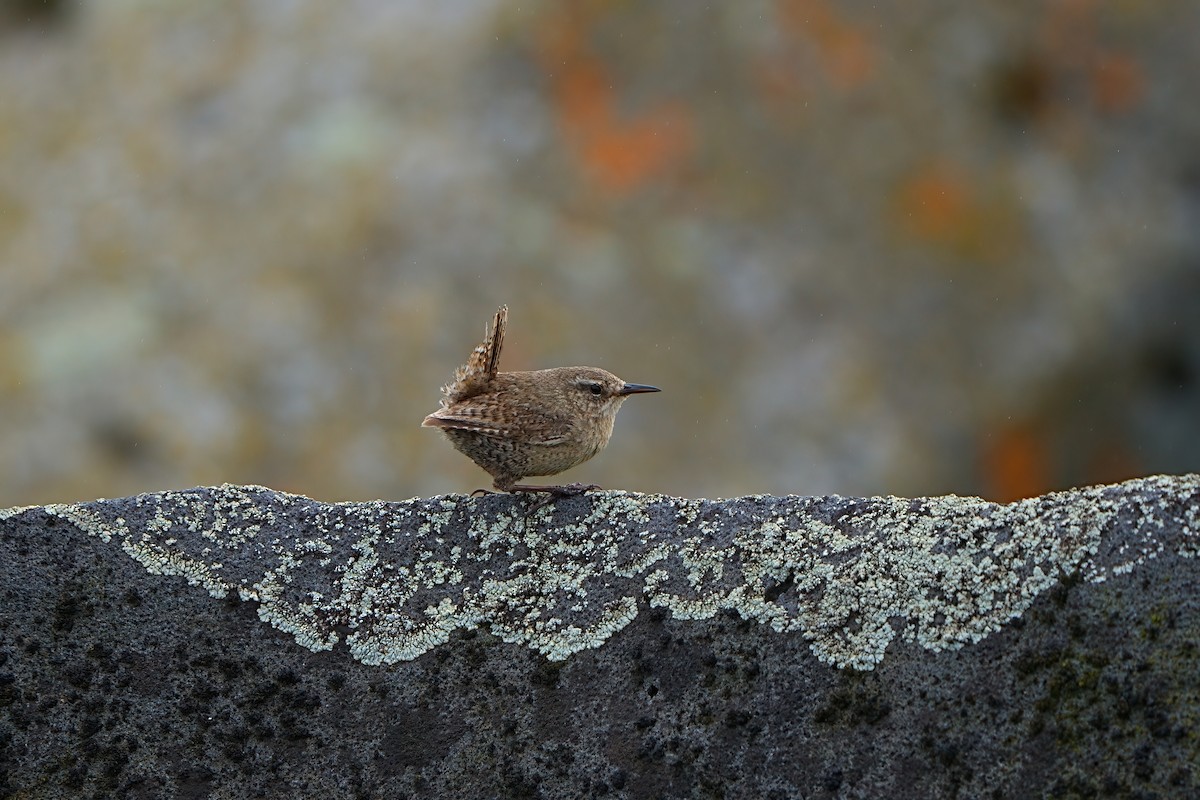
<point>593,392</point>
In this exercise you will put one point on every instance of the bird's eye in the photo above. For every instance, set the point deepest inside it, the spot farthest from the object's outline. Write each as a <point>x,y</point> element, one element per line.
<point>596,389</point>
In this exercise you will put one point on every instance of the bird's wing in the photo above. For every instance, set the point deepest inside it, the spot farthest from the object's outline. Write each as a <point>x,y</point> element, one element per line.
<point>529,425</point>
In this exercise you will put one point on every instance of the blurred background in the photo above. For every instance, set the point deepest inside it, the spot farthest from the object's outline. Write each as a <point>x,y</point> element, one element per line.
<point>917,248</point>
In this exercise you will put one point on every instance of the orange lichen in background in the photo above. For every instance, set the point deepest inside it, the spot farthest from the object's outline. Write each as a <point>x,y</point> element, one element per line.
<point>845,53</point>
<point>937,204</point>
<point>1015,464</point>
<point>1071,41</point>
<point>1117,82</point>
<point>619,154</point>
<point>968,216</point>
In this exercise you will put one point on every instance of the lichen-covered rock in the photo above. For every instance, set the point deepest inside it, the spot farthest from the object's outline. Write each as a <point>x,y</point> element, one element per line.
<point>821,646</point>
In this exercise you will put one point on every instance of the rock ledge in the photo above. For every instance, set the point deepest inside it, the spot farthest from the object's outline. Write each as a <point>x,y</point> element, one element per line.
<point>718,606</point>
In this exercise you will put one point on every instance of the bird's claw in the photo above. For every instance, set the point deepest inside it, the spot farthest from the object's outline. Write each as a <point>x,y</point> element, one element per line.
<point>553,493</point>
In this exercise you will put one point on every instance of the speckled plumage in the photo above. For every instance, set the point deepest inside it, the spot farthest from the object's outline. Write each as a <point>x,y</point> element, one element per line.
<point>519,424</point>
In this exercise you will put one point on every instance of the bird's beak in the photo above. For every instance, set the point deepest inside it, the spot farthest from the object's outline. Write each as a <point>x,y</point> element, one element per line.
<point>637,388</point>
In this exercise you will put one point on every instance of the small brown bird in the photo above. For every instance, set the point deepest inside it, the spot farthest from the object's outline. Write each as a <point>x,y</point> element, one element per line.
<point>517,424</point>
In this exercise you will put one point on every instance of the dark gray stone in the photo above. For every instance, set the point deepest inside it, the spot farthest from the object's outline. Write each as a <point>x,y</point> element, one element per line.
<point>611,645</point>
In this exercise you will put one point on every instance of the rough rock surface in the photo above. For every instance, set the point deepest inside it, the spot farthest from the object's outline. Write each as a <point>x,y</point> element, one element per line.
<point>239,642</point>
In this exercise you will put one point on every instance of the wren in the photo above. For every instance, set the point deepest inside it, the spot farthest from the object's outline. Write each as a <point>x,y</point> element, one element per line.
<point>521,424</point>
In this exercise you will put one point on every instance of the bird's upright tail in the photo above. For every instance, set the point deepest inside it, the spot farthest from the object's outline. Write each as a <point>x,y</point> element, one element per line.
<point>472,378</point>
<point>493,340</point>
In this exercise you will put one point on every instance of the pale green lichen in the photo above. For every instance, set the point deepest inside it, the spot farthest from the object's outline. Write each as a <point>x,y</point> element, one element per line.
<point>394,580</point>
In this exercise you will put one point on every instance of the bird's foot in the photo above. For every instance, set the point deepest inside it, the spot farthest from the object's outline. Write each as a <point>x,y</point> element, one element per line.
<point>552,492</point>
<point>480,492</point>
<point>565,490</point>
